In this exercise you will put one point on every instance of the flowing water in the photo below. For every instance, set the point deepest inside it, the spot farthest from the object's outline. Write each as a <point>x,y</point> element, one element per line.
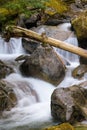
<point>33,108</point>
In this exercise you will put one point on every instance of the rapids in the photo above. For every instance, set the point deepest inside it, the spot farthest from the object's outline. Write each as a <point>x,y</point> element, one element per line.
<point>33,112</point>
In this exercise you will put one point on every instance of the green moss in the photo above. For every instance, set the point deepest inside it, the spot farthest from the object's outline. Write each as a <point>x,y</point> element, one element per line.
<point>81,128</point>
<point>11,9</point>
<point>80,25</point>
<point>56,6</point>
<point>64,126</point>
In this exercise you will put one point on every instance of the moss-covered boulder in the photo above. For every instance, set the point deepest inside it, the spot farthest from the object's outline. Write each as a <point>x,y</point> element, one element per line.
<point>80,26</point>
<point>64,126</point>
<point>81,127</point>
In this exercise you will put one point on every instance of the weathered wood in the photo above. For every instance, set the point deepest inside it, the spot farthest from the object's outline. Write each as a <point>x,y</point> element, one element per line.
<point>19,31</point>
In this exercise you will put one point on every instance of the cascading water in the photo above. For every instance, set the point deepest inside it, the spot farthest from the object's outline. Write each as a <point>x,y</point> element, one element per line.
<point>33,108</point>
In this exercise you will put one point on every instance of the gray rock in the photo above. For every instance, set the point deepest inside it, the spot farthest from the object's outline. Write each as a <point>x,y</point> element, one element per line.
<point>30,45</point>
<point>45,64</point>
<point>5,70</point>
<point>70,104</point>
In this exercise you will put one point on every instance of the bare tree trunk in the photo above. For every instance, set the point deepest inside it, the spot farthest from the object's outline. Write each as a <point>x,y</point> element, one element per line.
<point>19,31</point>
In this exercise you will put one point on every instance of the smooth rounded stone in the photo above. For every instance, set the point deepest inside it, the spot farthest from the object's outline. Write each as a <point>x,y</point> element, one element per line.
<point>79,71</point>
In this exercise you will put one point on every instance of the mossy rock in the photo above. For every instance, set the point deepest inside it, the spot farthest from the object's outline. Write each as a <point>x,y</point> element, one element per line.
<point>80,25</point>
<point>81,128</point>
<point>64,126</point>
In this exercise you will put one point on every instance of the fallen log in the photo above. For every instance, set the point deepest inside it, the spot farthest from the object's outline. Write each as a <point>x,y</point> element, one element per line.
<point>19,31</point>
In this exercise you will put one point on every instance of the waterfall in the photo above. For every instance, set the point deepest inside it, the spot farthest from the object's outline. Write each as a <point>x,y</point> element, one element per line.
<point>13,46</point>
<point>61,32</point>
<point>30,109</point>
<point>70,56</point>
<point>34,95</point>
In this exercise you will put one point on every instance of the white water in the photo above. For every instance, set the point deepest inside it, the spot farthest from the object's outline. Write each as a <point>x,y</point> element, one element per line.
<point>31,111</point>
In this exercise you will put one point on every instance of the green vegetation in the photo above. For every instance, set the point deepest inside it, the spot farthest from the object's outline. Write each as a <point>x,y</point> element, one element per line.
<point>11,9</point>
<point>57,6</point>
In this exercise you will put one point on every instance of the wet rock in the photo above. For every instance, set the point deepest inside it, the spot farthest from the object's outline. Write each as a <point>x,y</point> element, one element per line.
<point>7,96</point>
<point>21,20</point>
<point>80,26</point>
<point>30,45</point>
<point>32,21</point>
<point>84,2</point>
<point>78,3</point>
<point>29,22</point>
<point>79,71</point>
<point>21,57</point>
<point>64,126</point>
<point>70,104</point>
<point>57,19</point>
<point>5,70</point>
<point>45,64</point>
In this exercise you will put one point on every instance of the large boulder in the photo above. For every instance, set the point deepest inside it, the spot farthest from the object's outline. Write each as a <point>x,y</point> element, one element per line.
<point>45,64</point>
<point>7,96</point>
<point>80,26</point>
<point>70,104</point>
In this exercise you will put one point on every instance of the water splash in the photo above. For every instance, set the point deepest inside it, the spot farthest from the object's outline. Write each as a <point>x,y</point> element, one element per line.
<point>28,111</point>
<point>70,56</point>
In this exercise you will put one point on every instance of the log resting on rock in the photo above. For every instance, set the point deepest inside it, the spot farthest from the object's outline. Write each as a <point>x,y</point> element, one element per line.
<point>19,31</point>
